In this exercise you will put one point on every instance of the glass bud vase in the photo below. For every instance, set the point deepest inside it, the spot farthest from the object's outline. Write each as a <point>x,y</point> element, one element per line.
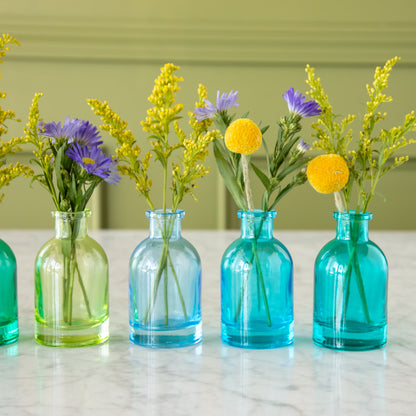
<point>257,286</point>
<point>165,286</point>
<point>71,286</point>
<point>350,301</point>
<point>9,330</point>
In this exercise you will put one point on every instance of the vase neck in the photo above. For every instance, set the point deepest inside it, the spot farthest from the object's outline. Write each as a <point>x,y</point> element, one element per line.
<point>165,225</point>
<point>257,224</point>
<point>352,226</point>
<point>71,224</point>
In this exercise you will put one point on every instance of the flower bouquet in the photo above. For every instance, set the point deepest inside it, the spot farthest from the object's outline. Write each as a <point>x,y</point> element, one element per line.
<point>9,330</point>
<point>350,308</point>
<point>165,269</point>
<point>257,270</point>
<point>71,270</point>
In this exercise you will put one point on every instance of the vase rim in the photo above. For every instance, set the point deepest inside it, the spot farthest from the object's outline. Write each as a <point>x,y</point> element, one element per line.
<point>256,213</point>
<point>180,213</point>
<point>72,215</point>
<point>352,214</point>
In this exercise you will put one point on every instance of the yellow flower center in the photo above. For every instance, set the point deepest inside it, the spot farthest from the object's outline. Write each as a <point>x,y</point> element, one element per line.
<point>328,173</point>
<point>88,161</point>
<point>243,136</point>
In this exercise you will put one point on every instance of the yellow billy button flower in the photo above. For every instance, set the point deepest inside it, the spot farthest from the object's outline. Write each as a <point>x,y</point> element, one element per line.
<point>243,136</point>
<point>328,173</point>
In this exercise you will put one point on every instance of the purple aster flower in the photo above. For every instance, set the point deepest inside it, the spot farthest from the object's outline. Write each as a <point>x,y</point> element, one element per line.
<point>224,102</point>
<point>56,131</point>
<point>95,162</point>
<point>297,105</point>
<point>209,111</point>
<point>73,130</point>
<point>302,146</point>
<point>86,133</point>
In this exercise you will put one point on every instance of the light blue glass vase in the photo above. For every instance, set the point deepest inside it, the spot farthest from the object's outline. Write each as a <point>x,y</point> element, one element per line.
<point>350,302</point>
<point>165,286</point>
<point>9,329</point>
<point>257,286</point>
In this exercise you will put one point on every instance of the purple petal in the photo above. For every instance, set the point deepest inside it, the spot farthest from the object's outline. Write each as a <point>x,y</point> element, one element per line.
<point>297,105</point>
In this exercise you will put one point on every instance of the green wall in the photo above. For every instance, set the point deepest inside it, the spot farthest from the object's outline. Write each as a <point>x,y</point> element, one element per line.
<point>113,50</point>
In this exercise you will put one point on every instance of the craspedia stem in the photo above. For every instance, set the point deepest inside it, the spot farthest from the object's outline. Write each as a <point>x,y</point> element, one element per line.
<point>340,201</point>
<point>247,186</point>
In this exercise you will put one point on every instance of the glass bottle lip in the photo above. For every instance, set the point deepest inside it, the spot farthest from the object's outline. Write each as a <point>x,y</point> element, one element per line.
<point>361,216</point>
<point>256,213</point>
<point>179,213</point>
<point>69,215</point>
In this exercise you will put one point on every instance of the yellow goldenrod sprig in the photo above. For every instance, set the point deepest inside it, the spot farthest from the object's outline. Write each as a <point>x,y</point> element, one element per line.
<point>127,151</point>
<point>375,153</point>
<point>160,123</point>
<point>42,158</point>
<point>12,146</point>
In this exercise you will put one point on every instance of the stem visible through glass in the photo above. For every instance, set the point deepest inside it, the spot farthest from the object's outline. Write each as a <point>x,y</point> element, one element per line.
<point>260,278</point>
<point>166,230</point>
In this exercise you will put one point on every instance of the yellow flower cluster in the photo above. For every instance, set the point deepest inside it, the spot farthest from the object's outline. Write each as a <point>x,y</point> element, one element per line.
<point>327,173</point>
<point>10,172</point>
<point>194,154</point>
<point>163,97</point>
<point>243,136</point>
<point>158,123</point>
<point>127,151</point>
<point>369,161</point>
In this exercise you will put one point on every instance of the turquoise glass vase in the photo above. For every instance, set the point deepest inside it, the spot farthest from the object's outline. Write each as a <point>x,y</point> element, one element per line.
<point>350,300</point>
<point>9,329</point>
<point>165,286</point>
<point>257,286</point>
<point>71,286</point>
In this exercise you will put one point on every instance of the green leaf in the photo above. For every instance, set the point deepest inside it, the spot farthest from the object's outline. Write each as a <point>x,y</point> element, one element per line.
<point>266,149</point>
<point>264,129</point>
<point>58,172</point>
<point>289,169</point>
<point>263,178</point>
<point>229,178</point>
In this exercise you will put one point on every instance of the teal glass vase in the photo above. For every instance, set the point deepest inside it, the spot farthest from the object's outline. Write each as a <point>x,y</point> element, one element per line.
<point>9,329</point>
<point>71,286</point>
<point>350,299</point>
<point>257,286</point>
<point>165,286</point>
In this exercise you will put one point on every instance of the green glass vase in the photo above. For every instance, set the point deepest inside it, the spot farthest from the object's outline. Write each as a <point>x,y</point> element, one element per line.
<point>71,286</point>
<point>9,330</point>
<point>350,300</point>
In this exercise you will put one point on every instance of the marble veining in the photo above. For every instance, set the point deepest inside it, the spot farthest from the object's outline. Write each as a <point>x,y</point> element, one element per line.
<point>121,378</point>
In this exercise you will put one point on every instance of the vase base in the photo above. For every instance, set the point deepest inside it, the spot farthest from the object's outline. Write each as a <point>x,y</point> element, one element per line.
<point>166,338</point>
<point>257,339</point>
<point>72,336</point>
<point>9,333</point>
<point>350,340</point>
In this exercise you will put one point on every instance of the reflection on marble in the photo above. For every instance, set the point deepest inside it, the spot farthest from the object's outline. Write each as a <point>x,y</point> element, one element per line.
<point>211,378</point>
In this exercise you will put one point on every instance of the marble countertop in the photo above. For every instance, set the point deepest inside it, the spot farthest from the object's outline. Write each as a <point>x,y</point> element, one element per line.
<point>211,378</point>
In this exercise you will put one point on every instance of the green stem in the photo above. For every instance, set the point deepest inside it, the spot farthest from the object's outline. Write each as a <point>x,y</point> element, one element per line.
<point>353,264</point>
<point>165,184</point>
<point>66,288</point>
<point>262,285</point>
<point>179,288</point>
<point>165,279</point>
<point>260,279</point>
<point>161,268</point>
<point>84,292</point>
<point>70,288</point>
